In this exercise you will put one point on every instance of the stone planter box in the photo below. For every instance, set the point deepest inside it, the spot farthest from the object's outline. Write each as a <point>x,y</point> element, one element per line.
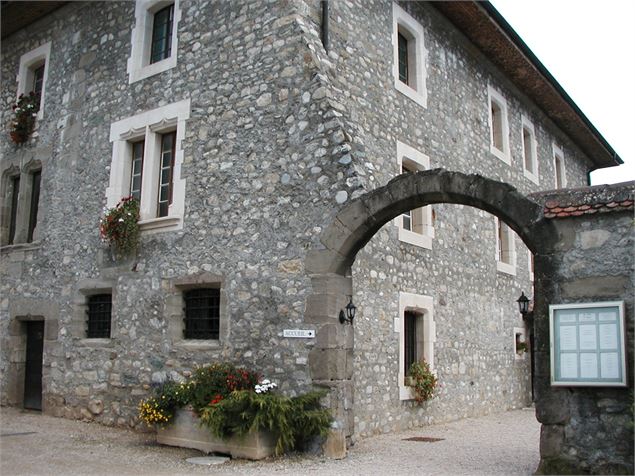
<point>186,432</point>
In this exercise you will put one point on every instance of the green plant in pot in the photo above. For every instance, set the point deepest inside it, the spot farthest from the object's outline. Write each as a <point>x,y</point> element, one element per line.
<point>422,380</point>
<point>119,227</point>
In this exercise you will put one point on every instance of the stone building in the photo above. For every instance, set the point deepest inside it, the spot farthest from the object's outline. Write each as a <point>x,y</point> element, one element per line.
<point>243,127</point>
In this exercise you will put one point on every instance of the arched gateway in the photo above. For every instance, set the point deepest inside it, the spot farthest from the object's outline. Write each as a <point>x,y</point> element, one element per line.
<point>331,360</point>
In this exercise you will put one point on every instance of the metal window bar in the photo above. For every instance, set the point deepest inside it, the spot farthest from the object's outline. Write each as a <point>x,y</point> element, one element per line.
<point>36,178</point>
<point>202,314</point>
<point>99,316</point>
<point>402,54</point>
<point>136,173</point>
<point>162,34</point>
<point>410,340</point>
<point>168,143</point>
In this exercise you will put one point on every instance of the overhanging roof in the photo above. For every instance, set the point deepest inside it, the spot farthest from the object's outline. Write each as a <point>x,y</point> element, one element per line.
<point>17,15</point>
<point>484,26</point>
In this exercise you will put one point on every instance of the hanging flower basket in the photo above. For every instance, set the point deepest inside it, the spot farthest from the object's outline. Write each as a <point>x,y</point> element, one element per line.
<point>25,115</point>
<point>119,227</point>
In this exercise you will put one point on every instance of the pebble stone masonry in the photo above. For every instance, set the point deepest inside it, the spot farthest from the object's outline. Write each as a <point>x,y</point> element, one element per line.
<point>281,144</point>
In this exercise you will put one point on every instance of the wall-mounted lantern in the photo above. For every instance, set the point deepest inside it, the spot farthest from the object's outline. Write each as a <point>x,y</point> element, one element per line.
<point>348,313</point>
<point>523,304</point>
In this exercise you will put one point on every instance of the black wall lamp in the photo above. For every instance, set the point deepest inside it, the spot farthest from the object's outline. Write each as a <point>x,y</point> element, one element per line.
<point>523,304</point>
<point>348,313</point>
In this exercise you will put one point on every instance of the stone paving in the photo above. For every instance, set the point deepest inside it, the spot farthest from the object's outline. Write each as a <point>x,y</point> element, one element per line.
<point>504,443</point>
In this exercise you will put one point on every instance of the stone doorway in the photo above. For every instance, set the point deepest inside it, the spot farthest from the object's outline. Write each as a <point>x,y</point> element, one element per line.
<point>33,365</point>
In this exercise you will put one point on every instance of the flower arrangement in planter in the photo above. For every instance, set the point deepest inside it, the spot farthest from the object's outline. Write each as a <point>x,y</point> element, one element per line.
<point>231,401</point>
<point>119,226</point>
<point>422,380</point>
<point>25,114</point>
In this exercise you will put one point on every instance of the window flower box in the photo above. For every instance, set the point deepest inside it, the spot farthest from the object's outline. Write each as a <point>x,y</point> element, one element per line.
<point>186,431</point>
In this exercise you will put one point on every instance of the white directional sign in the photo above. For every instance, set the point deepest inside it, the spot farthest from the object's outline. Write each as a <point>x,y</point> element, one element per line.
<point>300,333</point>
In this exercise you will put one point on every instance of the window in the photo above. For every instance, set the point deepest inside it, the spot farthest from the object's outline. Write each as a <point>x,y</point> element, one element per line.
<point>531,266</point>
<point>196,311</point>
<point>22,196</point>
<point>162,34</point>
<point>147,159</point>
<point>530,155</point>
<point>202,313</point>
<point>154,38</point>
<point>98,316</point>
<point>409,56</point>
<point>521,346</point>
<point>33,74</point>
<point>558,166</point>
<point>36,177</point>
<point>499,128</point>
<point>15,190</point>
<point>415,325</point>
<point>415,226</point>
<point>505,248</point>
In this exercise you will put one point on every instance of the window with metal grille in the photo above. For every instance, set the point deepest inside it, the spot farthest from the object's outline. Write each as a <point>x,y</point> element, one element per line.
<point>202,313</point>
<point>136,173</point>
<point>99,313</point>
<point>168,142</point>
<point>162,34</point>
<point>410,340</point>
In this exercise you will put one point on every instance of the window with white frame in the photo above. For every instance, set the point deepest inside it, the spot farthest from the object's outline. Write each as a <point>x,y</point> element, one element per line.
<point>409,56</point>
<point>530,154</point>
<point>498,125</point>
<point>558,167</point>
<point>21,192</point>
<point>154,38</point>
<point>33,74</point>
<point>505,248</point>
<point>531,265</point>
<point>415,226</point>
<point>417,335</point>
<point>146,163</point>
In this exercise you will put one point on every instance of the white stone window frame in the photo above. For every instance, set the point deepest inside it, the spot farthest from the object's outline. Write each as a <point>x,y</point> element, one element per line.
<point>494,96</point>
<point>149,126</point>
<point>558,155</point>
<point>423,305</point>
<point>417,55</point>
<point>530,265</point>
<point>523,338</point>
<point>25,73</point>
<point>510,244</point>
<point>139,66</point>
<point>528,125</point>
<point>418,160</point>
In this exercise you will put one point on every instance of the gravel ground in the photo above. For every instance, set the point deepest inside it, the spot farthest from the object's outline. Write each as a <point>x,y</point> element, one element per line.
<point>504,443</point>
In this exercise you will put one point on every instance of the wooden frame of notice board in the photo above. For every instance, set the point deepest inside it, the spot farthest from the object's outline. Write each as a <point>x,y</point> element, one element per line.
<point>587,344</point>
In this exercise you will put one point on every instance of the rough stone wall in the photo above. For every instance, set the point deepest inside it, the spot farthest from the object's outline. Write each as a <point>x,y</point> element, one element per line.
<point>474,305</point>
<point>280,134</point>
<point>259,178</point>
<point>588,430</point>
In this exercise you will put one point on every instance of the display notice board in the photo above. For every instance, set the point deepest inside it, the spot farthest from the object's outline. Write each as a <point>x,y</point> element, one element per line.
<point>587,344</point>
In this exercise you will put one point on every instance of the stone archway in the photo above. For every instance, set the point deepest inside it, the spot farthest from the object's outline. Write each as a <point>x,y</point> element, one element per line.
<point>331,360</point>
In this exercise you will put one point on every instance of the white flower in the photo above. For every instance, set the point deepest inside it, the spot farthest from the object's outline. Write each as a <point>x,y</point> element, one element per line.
<point>120,220</point>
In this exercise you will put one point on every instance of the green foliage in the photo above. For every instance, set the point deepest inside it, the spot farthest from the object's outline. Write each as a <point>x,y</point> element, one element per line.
<point>424,382</point>
<point>160,408</point>
<point>120,226</point>
<point>25,114</point>
<point>215,382</point>
<point>292,419</point>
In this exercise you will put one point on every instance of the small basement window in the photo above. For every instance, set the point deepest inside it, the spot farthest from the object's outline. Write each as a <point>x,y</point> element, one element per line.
<point>202,313</point>
<point>99,316</point>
